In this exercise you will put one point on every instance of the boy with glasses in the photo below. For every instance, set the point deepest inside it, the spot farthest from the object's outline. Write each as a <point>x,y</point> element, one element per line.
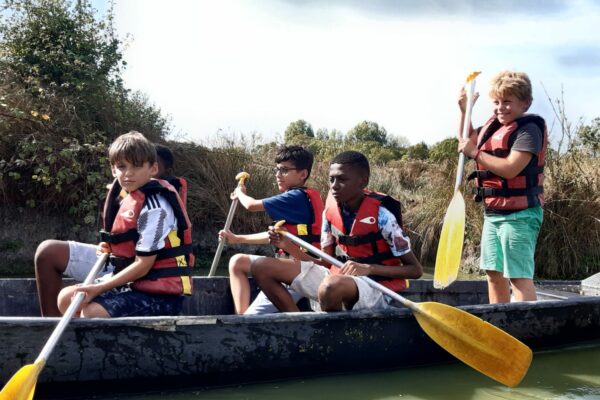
<point>299,206</point>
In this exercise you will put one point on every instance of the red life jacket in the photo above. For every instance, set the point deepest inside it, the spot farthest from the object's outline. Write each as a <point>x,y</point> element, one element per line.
<point>364,243</point>
<point>312,236</point>
<point>525,190</point>
<point>171,272</point>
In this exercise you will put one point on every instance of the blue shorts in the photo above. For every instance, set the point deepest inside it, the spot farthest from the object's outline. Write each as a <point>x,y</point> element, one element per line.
<point>125,302</point>
<point>508,242</point>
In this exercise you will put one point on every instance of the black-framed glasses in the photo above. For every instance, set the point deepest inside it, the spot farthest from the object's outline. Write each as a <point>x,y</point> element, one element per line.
<point>282,170</point>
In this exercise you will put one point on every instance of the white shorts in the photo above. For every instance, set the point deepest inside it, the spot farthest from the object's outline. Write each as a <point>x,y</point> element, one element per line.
<point>262,304</point>
<point>82,257</point>
<point>311,275</point>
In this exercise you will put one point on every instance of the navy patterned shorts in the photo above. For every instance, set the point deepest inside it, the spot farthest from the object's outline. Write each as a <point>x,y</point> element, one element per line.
<point>125,302</point>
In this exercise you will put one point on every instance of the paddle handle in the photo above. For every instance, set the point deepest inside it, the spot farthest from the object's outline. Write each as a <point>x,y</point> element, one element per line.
<point>241,177</point>
<point>66,318</point>
<point>332,260</point>
<point>465,132</point>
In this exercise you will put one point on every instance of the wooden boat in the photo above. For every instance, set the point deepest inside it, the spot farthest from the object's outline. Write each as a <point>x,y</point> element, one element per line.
<point>208,346</point>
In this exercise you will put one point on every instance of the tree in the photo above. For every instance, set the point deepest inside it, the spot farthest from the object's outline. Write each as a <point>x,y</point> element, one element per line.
<point>419,151</point>
<point>62,101</point>
<point>368,131</point>
<point>298,130</point>
<point>445,150</point>
<point>589,136</point>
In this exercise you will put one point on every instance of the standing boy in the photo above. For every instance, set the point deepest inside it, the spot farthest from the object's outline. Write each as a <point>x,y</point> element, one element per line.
<point>55,258</point>
<point>509,152</point>
<point>300,206</point>
<point>360,227</point>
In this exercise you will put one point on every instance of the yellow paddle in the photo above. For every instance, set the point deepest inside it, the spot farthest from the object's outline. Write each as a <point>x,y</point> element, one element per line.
<point>241,178</point>
<point>449,250</point>
<point>475,342</point>
<point>22,385</point>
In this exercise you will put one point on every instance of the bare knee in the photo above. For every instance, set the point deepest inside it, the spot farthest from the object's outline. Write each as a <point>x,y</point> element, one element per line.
<point>64,298</point>
<point>94,310</point>
<point>331,290</point>
<point>51,254</point>
<point>239,264</point>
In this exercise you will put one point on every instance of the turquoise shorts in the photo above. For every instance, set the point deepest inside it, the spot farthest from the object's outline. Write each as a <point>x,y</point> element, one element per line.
<point>508,242</point>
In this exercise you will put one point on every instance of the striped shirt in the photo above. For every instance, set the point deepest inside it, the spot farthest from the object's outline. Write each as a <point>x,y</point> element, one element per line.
<point>156,220</point>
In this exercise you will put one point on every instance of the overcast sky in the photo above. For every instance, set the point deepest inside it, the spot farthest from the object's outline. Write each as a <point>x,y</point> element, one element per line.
<point>255,66</point>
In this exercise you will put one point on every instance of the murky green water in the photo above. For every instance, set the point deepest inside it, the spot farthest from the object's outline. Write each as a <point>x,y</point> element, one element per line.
<point>572,373</point>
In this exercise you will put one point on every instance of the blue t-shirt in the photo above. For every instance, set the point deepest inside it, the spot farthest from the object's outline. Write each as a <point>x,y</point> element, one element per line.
<point>293,206</point>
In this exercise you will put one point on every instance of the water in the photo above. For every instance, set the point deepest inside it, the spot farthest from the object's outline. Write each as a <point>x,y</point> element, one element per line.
<point>572,373</point>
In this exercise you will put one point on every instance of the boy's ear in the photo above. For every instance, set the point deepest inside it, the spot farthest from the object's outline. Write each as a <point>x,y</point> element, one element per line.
<point>364,180</point>
<point>113,170</point>
<point>304,174</point>
<point>154,169</point>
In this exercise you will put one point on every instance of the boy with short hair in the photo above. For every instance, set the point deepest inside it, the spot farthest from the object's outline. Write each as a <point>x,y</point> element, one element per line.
<point>509,152</point>
<point>300,206</point>
<point>360,228</point>
<point>148,235</point>
<point>55,258</point>
<point>166,163</point>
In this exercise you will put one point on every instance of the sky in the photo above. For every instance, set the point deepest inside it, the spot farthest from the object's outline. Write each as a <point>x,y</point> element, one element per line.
<point>226,67</point>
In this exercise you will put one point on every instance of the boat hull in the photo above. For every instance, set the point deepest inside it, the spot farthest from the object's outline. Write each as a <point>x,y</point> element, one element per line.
<point>216,348</point>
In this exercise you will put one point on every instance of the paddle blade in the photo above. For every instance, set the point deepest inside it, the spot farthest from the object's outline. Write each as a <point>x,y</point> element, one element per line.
<point>449,250</point>
<point>22,385</point>
<point>475,342</point>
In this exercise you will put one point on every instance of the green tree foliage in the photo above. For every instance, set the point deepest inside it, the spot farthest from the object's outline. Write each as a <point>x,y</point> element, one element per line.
<point>368,131</point>
<point>447,149</point>
<point>298,130</point>
<point>589,137</point>
<point>62,101</point>
<point>419,151</point>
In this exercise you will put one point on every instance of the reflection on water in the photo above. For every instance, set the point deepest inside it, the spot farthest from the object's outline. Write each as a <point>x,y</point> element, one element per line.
<point>566,374</point>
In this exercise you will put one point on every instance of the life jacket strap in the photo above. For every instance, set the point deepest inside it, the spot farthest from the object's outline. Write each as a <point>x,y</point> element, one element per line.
<point>486,174</point>
<point>114,238</point>
<point>486,191</point>
<point>374,259</point>
<point>155,274</point>
<point>348,240</point>
<point>174,252</point>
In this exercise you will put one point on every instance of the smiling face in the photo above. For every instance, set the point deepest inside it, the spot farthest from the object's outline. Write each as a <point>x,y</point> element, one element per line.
<point>509,107</point>
<point>132,177</point>
<point>346,184</point>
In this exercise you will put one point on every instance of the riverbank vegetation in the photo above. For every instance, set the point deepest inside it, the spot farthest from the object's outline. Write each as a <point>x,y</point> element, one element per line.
<point>62,101</point>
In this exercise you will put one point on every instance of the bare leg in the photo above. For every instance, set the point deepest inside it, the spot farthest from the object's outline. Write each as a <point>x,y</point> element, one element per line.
<point>270,273</point>
<point>239,267</point>
<point>94,310</point>
<point>337,292</point>
<point>51,258</point>
<point>523,289</point>
<point>498,287</point>
<point>64,300</point>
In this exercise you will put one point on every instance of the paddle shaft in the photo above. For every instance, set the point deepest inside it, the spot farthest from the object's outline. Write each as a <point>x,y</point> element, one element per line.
<point>66,318</point>
<point>234,203</point>
<point>215,263</point>
<point>465,133</point>
<point>318,252</point>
